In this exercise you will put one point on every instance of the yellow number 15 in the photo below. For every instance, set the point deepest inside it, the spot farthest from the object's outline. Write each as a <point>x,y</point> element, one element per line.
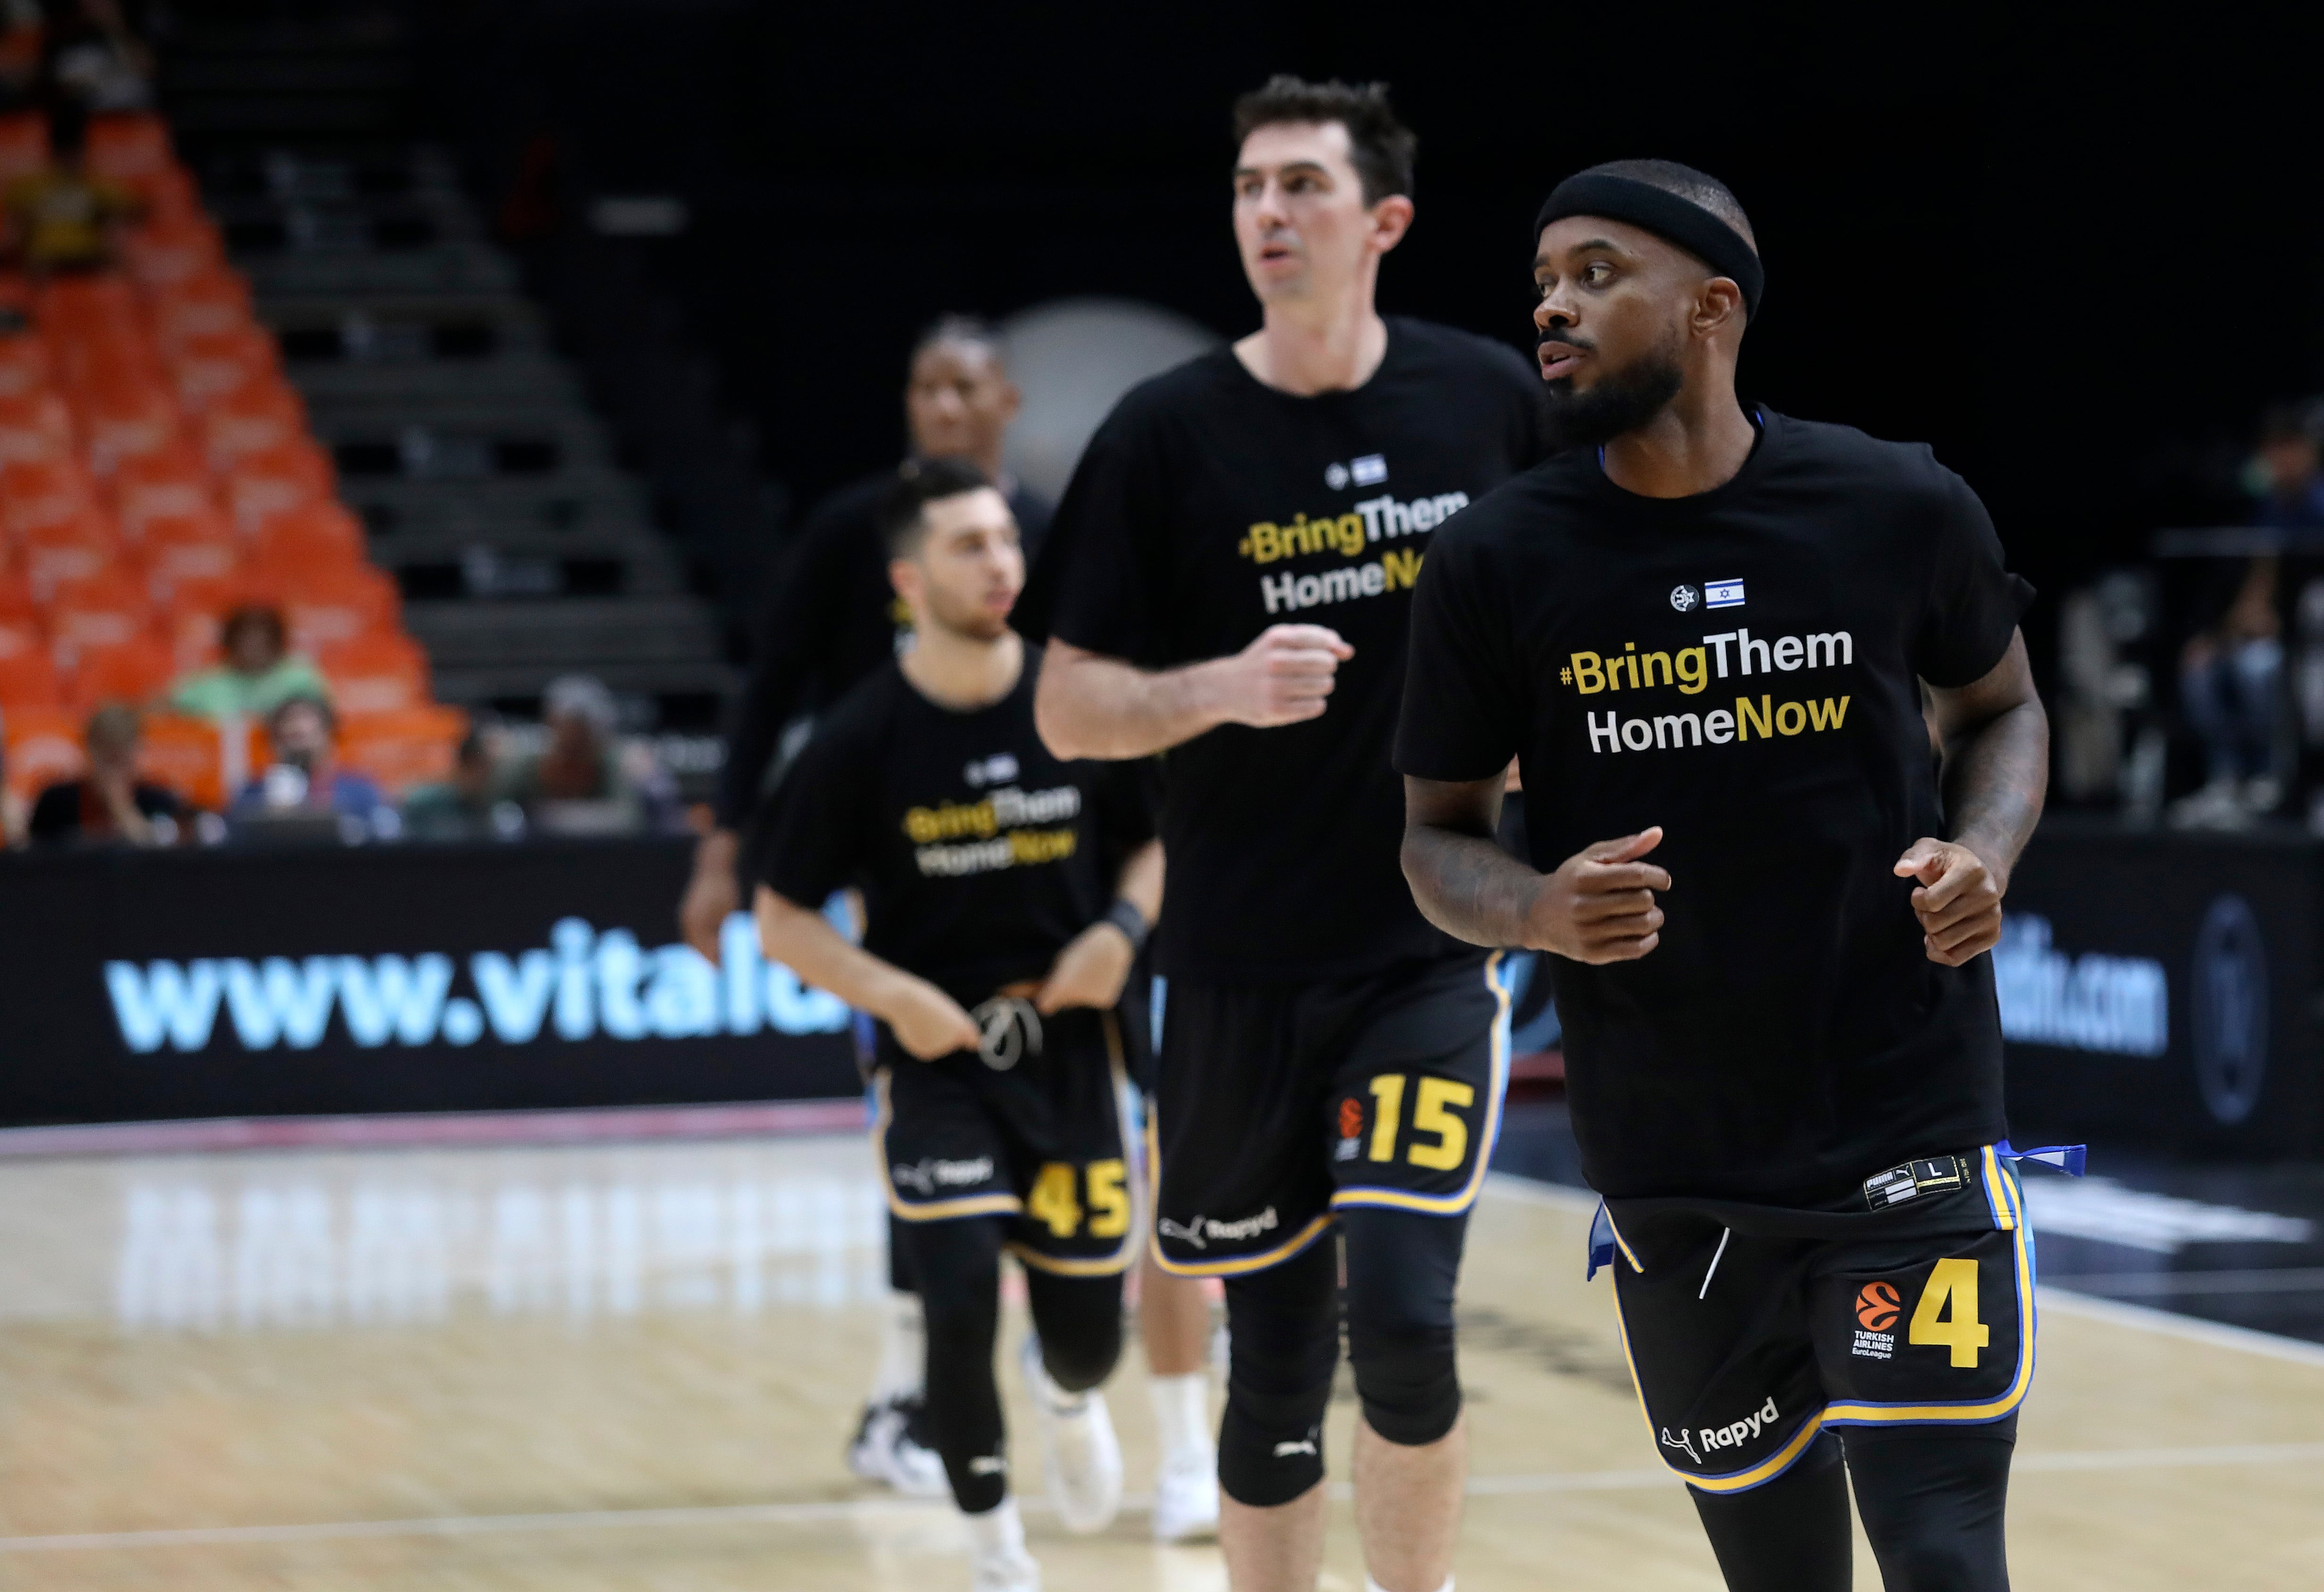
<point>1432,1113</point>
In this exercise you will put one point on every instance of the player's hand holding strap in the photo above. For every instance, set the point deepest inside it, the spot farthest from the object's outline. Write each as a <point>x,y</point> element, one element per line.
<point>1957,899</point>
<point>1598,906</point>
<point>926,1021</point>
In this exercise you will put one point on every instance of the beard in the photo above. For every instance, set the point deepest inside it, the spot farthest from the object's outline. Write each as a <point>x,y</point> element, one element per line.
<point>1622,400</point>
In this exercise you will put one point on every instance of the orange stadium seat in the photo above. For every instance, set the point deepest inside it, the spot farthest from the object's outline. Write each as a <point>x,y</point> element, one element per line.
<point>127,422</point>
<point>165,486</point>
<point>172,249</point>
<point>23,366</point>
<point>29,680</point>
<point>319,535</point>
<point>263,414</point>
<point>376,673</point>
<point>277,481</point>
<point>35,426</point>
<point>215,303</point>
<point>128,145</point>
<point>44,746</point>
<point>108,611</point>
<point>35,493</point>
<point>136,671</point>
<point>21,633</point>
<point>206,366</point>
<point>403,747</point>
<point>65,552</point>
<point>326,607</point>
<point>186,754</point>
<point>23,145</point>
<point>197,611</point>
<point>195,547</point>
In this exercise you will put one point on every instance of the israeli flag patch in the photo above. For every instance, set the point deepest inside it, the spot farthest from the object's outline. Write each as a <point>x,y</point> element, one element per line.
<point>1723,594</point>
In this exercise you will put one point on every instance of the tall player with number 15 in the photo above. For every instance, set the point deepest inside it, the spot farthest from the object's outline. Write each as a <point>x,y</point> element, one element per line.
<point>1230,576</point>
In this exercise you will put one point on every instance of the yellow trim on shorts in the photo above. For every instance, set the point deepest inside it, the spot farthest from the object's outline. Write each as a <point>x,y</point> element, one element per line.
<point>933,1210</point>
<point>2002,1186</point>
<point>1453,1204</point>
<point>1859,1414</point>
<point>1243,1263</point>
<point>1622,1243</point>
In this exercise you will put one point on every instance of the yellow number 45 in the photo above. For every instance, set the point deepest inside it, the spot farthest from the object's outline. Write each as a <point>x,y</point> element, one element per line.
<point>1053,1200</point>
<point>1953,1282</point>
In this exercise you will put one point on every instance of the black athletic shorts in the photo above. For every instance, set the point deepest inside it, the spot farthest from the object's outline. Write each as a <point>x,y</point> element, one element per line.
<point>1029,1126</point>
<point>1749,1329</point>
<point>1278,1103</point>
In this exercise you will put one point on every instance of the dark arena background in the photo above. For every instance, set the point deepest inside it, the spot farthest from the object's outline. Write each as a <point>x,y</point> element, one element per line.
<point>392,1196</point>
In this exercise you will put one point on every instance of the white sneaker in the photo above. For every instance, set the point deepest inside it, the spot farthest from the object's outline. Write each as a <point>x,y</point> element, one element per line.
<point>1080,1459</point>
<point>1187,1498</point>
<point>890,1450</point>
<point>1004,1569</point>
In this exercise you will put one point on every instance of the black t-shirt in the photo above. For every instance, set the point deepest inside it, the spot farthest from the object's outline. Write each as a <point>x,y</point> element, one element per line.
<point>1739,667</point>
<point>1210,506</point>
<point>978,853</point>
<point>71,811</point>
<point>831,618</point>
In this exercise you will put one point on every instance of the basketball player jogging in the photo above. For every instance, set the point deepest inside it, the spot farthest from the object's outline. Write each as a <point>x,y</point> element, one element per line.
<point>995,950</point>
<point>1700,628</point>
<point>1229,575</point>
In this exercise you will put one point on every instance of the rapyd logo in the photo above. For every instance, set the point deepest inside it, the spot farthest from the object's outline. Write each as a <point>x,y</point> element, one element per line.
<point>588,983</point>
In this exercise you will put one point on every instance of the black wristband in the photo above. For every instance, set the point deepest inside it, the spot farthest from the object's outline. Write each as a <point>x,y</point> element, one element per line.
<point>1132,922</point>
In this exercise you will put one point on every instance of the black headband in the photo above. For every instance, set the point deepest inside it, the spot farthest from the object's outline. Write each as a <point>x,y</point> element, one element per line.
<point>1666,215</point>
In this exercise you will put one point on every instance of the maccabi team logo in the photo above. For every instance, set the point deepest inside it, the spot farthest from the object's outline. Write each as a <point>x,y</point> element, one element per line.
<point>1685,598</point>
<point>1878,1306</point>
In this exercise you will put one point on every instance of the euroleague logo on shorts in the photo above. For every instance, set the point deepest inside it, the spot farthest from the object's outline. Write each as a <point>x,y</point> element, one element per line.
<point>1878,1306</point>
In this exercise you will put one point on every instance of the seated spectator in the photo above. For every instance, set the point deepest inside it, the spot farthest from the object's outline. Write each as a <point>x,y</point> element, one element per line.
<point>465,806</point>
<point>581,784</point>
<point>109,805</point>
<point>2292,495</point>
<point>64,218</point>
<point>304,779</point>
<point>259,674</point>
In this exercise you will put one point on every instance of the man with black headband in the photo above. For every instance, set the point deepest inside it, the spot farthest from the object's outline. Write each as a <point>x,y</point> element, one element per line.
<point>1704,634</point>
<point>1231,573</point>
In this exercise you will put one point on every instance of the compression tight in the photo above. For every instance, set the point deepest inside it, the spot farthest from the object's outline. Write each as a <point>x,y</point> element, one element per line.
<point>957,1266</point>
<point>1283,1330</point>
<point>1931,1498</point>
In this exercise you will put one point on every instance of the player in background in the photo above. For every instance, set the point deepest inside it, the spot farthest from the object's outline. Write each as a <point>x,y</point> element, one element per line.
<point>997,939</point>
<point>1228,582</point>
<point>1703,629</point>
<point>831,618</point>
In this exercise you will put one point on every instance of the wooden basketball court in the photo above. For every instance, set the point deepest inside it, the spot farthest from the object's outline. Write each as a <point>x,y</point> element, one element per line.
<point>635,1367</point>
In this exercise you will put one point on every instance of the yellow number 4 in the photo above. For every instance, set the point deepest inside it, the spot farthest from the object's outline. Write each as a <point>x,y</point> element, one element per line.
<point>1953,1280</point>
<point>1052,1200</point>
<point>1432,1112</point>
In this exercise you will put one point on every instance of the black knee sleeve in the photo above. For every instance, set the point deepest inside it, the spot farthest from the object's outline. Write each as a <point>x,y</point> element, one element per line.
<point>958,1266</point>
<point>1079,1319</point>
<point>1402,1266</point>
<point>1283,1335</point>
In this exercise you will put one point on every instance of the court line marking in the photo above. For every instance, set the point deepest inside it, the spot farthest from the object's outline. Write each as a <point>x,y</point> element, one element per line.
<point>2297,1279</point>
<point>2273,1346</point>
<point>862,1510</point>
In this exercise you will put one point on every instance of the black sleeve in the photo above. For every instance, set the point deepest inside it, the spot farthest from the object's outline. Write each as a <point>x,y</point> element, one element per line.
<point>159,801</point>
<point>1096,583</point>
<point>796,628</point>
<point>56,815</point>
<point>814,840</point>
<point>1462,715</point>
<point>1973,602</point>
